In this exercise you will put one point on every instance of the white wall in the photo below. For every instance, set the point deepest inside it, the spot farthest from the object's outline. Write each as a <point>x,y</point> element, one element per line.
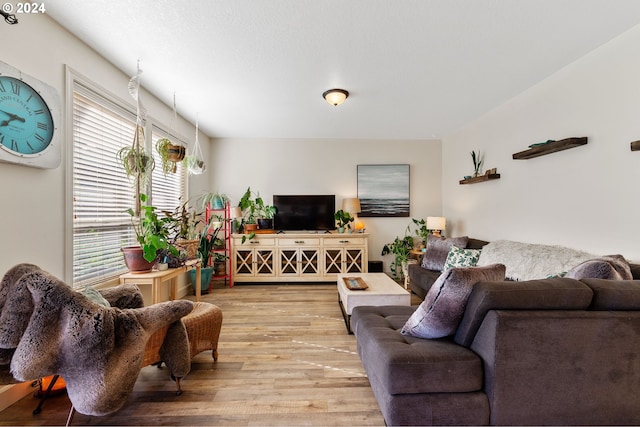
<point>586,197</point>
<point>32,218</point>
<point>320,166</point>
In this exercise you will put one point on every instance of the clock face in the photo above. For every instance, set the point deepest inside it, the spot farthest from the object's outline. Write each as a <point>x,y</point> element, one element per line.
<point>26,124</point>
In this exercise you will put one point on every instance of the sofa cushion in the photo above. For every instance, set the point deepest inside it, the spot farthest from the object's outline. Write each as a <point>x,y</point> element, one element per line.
<point>440,313</point>
<point>546,294</point>
<point>460,257</point>
<point>614,294</point>
<point>407,364</point>
<point>527,261</point>
<point>613,267</point>
<point>438,249</point>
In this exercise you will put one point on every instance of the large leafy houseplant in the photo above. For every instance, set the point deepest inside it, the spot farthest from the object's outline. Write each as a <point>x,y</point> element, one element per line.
<point>152,232</point>
<point>253,207</point>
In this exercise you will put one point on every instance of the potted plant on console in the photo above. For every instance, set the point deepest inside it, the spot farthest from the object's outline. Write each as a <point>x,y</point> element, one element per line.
<point>253,208</point>
<point>264,214</point>
<point>343,220</point>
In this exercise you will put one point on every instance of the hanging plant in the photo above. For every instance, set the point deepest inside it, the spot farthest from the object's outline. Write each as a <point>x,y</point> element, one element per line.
<point>195,159</point>
<point>171,154</point>
<point>135,160</point>
<point>137,163</point>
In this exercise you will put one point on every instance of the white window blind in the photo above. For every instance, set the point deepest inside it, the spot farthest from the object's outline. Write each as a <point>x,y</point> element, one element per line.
<point>101,190</point>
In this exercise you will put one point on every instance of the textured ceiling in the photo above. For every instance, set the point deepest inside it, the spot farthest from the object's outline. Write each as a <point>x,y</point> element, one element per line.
<point>414,68</point>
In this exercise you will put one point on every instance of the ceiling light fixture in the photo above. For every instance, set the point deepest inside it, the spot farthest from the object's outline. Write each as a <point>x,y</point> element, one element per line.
<point>335,97</point>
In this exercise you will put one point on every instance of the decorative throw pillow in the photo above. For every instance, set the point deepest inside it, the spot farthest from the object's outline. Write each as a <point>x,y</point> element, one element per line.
<point>94,296</point>
<point>438,249</point>
<point>613,267</point>
<point>441,311</point>
<point>459,257</point>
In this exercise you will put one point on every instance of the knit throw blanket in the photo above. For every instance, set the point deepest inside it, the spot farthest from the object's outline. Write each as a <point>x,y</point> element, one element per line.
<point>48,328</point>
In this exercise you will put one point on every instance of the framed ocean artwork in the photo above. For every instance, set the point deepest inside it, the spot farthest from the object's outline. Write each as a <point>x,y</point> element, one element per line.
<point>383,190</point>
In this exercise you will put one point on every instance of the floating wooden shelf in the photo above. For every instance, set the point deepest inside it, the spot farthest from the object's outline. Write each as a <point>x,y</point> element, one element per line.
<point>635,146</point>
<point>551,147</point>
<point>481,178</point>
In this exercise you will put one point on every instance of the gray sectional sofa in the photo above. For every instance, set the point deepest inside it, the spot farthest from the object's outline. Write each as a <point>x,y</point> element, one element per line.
<point>555,351</point>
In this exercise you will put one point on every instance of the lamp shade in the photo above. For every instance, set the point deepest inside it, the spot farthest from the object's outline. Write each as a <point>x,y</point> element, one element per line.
<point>436,223</point>
<point>335,96</point>
<point>351,205</point>
<point>236,212</point>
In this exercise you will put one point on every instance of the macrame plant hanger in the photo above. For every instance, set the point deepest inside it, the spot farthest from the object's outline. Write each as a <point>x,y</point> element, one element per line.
<point>144,161</point>
<point>195,162</point>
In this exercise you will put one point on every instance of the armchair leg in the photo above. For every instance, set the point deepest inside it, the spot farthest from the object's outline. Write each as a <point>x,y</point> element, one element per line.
<point>177,380</point>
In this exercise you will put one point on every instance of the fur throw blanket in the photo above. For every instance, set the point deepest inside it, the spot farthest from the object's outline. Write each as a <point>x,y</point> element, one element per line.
<point>528,261</point>
<point>48,328</point>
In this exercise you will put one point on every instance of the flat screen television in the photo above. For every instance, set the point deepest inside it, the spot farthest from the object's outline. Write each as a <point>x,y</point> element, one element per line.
<point>304,212</point>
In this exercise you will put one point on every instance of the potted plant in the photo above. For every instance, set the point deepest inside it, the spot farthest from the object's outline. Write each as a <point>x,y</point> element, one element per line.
<point>249,209</point>
<point>219,264</point>
<point>264,214</point>
<point>137,163</point>
<point>206,241</point>
<point>400,248</point>
<point>170,154</point>
<point>343,220</point>
<point>421,231</point>
<point>135,160</point>
<point>217,201</point>
<point>152,234</point>
<point>477,162</point>
<point>183,223</point>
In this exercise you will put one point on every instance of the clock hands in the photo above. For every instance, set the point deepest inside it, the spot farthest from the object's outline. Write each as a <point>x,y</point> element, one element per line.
<point>12,117</point>
<point>9,17</point>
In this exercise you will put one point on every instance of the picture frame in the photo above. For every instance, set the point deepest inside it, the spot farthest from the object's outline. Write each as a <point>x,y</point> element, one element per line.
<point>383,190</point>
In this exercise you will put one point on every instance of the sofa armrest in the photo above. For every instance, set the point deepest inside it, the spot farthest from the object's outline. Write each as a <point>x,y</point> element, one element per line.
<point>555,367</point>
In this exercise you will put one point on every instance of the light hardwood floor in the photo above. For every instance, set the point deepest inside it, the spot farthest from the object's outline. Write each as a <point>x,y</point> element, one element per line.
<point>285,358</point>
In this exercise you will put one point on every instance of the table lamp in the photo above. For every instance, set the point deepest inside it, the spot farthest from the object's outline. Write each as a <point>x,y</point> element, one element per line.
<point>436,224</point>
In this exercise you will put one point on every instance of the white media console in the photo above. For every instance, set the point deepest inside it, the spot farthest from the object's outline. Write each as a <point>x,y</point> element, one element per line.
<point>298,257</point>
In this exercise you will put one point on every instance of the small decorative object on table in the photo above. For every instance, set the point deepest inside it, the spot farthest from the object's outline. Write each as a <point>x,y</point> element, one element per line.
<point>355,283</point>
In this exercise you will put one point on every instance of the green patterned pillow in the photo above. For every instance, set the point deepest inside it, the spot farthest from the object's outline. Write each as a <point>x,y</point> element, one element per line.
<point>459,257</point>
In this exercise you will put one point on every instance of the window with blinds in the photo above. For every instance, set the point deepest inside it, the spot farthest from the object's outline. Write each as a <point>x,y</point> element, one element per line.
<point>101,190</point>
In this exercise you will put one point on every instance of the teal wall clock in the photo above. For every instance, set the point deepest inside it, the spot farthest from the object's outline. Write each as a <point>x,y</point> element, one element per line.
<point>29,120</point>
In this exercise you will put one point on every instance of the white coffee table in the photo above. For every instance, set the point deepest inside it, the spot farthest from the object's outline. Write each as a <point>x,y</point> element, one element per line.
<point>382,290</point>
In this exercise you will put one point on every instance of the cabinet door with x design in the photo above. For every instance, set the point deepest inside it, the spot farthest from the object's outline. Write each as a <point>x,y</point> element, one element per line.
<point>299,258</point>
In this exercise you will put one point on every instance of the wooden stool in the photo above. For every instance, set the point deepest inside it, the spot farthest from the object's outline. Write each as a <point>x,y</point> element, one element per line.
<point>203,328</point>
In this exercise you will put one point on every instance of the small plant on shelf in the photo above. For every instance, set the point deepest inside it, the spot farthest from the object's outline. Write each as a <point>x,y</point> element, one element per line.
<point>477,162</point>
